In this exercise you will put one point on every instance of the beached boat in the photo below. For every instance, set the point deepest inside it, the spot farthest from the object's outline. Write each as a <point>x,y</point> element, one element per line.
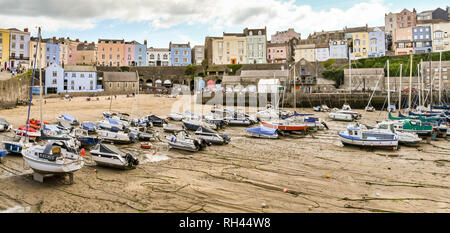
<point>2,154</point>
<point>321,108</point>
<point>51,132</point>
<point>285,125</point>
<point>65,125</point>
<point>90,127</point>
<point>183,141</point>
<point>175,116</point>
<point>172,128</point>
<point>67,117</point>
<point>83,137</point>
<point>110,124</point>
<point>31,133</point>
<point>346,107</point>
<point>4,125</point>
<point>194,124</point>
<point>211,136</point>
<point>341,116</point>
<point>53,158</point>
<point>404,138</point>
<point>369,109</point>
<point>156,121</point>
<point>368,138</point>
<point>16,147</point>
<point>111,156</point>
<point>142,133</point>
<point>117,137</point>
<point>262,132</point>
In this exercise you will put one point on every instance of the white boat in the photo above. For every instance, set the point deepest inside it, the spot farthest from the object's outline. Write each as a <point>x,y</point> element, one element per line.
<point>183,141</point>
<point>339,116</point>
<point>116,137</point>
<point>175,116</point>
<point>172,128</point>
<point>53,158</point>
<point>110,124</point>
<point>67,117</point>
<point>16,147</point>
<point>369,109</point>
<point>346,107</point>
<point>194,124</point>
<point>4,125</point>
<point>355,136</point>
<point>212,136</point>
<point>111,156</point>
<point>404,138</point>
<point>142,133</point>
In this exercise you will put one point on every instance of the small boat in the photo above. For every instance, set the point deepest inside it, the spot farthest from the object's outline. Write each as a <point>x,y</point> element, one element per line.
<point>142,133</point>
<point>67,117</point>
<point>368,138</point>
<point>117,137</point>
<point>175,116</point>
<point>146,145</point>
<point>16,147</point>
<point>53,158</point>
<point>262,132</point>
<point>90,127</point>
<point>194,124</point>
<point>50,133</point>
<point>82,135</point>
<point>285,125</point>
<point>111,156</point>
<point>172,128</point>
<point>4,125</point>
<point>65,125</point>
<point>183,141</point>
<point>340,116</point>
<point>392,108</point>
<point>369,109</point>
<point>404,138</point>
<point>110,124</point>
<point>321,108</point>
<point>156,121</point>
<point>412,126</point>
<point>346,107</point>
<point>211,136</point>
<point>31,133</point>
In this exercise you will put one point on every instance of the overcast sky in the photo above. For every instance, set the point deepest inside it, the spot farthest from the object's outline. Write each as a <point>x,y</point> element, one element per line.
<point>162,21</point>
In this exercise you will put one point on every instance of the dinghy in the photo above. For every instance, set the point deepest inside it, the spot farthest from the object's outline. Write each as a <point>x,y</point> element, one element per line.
<point>31,133</point>
<point>90,127</point>
<point>262,132</point>
<point>4,125</point>
<point>211,136</point>
<point>340,116</point>
<point>175,116</point>
<point>53,158</point>
<point>117,137</point>
<point>368,138</point>
<point>284,125</point>
<point>82,135</point>
<point>67,117</point>
<point>111,156</point>
<point>183,141</point>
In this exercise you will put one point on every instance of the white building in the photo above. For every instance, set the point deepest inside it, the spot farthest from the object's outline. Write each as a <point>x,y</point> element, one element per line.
<point>71,79</point>
<point>158,56</point>
<point>322,54</point>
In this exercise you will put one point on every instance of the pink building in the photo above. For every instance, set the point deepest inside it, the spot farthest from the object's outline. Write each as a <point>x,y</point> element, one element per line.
<point>276,53</point>
<point>129,53</point>
<point>402,41</point>
<point>72,54</point>
<point>284,36</point>
<point>111,52</point>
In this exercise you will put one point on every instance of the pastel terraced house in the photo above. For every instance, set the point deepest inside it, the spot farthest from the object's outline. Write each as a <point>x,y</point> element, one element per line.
<point>256,40</point>
<point>111,52</point>
<point>402,39</point>
<point>4,48</point>
<point>277,52</point>
<point>360,45</point>
<point>71,79</point>
<point>180,54</point>
<point>40,60</point>
<point>18,50</point>
<point>229,49</point>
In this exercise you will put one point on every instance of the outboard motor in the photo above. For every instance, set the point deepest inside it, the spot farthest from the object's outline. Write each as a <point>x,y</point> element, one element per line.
<point>131,160</point>
<point>325,125</point>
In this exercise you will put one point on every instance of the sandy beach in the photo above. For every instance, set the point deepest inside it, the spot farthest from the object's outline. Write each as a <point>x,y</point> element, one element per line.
<point>247,175</point>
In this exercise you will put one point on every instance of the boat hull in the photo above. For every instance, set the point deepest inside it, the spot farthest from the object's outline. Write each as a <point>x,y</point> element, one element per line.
<point>44,166</point>
<point>349,140</point>
<point>285,127</point>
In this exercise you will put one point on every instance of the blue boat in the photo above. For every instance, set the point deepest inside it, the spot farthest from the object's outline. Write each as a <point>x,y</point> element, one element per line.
<point>2,154</point>
<point>69,118</point>
<point>90,127</point>
<point>82,135</point>
<point>262,132</point>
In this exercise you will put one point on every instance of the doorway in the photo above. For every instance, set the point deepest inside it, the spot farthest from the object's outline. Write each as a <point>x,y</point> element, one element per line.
<point>233,61</point>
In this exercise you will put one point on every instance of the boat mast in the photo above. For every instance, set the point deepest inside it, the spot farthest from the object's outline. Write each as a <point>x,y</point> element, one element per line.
<point>32,83</point>
<point>440,78</point>
<point>400,90</point>
<point>350,69</point>
<point>410,82</point>
<point>40,96</point>
<point>431,80</point>
<point>295,95</point>
<point>418,84</point>
<point>388,87</point>
<point>421,82</point>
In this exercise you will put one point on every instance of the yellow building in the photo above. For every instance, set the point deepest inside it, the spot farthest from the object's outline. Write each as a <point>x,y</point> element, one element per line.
<point>4,48</point>
<point>305,51</point>
<point>229,49</point>
<point>41,53</point>
<point>360,44</point>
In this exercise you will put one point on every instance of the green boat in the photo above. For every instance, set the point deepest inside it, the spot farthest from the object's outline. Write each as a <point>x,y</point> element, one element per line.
<point>422,119</point>
<point>416,127</point>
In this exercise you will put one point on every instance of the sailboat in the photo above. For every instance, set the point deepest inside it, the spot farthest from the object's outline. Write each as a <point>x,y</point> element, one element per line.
<point>55,157</point>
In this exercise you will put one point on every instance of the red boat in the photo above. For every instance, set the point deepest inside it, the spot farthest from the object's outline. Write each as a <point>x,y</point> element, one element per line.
<point>146,145</point>
<point>285,125</point>
<point>32,133</point>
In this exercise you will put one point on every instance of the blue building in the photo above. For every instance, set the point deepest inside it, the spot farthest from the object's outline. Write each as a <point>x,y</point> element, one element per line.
<point>377,43</point>
<point>51,52</point>
<point>422,39</point>
<point>180,54</point>
<point>71,79</point>
<point>140,54</point>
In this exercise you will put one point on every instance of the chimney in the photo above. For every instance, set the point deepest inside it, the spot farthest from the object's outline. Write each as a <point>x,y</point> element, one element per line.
<point>145,42</point>
<point>54,40</point>
<point>77,40</point>
<point>25,29</point>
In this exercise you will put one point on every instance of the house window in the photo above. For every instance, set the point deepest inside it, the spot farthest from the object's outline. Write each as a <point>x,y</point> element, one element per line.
<point>185,60</point>
<point>65,75</point>
<point>118,85</point>
<point>81,75</point>
<point>176,60</point>
<point>91,84</point>
<point>185,53</point>
<point>90,75</point>
<point>55,74</point>
<point>177,52</point>
<point>54,81</point>
<point>74,75</point>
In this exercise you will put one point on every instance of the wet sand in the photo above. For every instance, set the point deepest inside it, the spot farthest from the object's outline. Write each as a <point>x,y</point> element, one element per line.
<point>238,177</point>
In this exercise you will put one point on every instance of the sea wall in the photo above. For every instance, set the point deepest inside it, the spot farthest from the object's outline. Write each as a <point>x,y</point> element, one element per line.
<point>14,91</point>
